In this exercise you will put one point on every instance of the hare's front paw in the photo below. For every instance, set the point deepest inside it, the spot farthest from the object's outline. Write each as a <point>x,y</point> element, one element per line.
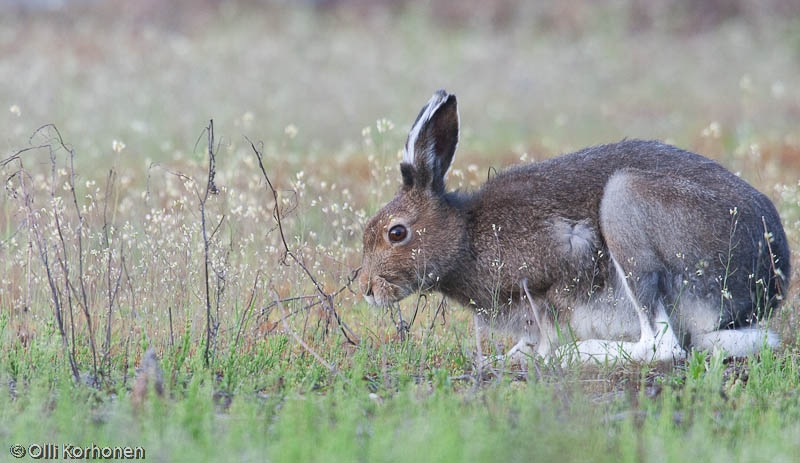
<point>523,348</point>
<point>527,347</point>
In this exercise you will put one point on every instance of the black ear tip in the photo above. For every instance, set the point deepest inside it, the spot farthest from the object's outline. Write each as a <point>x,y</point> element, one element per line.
<point>446,98</point>
<point>443,93</point>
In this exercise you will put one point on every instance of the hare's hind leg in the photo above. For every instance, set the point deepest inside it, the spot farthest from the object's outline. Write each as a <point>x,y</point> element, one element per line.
<point>657,341</point>
<point>631,208</point>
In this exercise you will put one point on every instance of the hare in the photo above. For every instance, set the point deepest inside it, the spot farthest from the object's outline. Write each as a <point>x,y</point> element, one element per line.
<point>632,251</point>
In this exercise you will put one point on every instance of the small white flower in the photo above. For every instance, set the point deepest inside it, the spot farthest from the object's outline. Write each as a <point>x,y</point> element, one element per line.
<point>117,146</point>
<point>15,110</point>
<point>290,130</point>
<point>712,131</point>
<point>384,125</point>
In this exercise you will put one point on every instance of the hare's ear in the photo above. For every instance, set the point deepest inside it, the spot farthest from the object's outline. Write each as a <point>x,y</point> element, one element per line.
<point>431,144</point>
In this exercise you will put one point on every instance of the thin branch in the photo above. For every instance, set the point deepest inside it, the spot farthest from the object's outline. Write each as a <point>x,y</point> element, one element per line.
<point>41,244</point>
<point>111,286</point>
<point>297,338</point>
<point>247,309</point>
<point>211,188</point>
<point>775,272</point>
<point>327,299</point>
<point>81,295</point>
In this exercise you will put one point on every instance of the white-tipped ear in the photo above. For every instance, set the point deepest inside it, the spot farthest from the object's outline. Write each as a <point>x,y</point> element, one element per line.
<point>432,143</point>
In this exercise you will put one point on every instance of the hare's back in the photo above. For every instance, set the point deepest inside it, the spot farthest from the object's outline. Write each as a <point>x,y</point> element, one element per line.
<point>603,161</point>
<point>578,179</point>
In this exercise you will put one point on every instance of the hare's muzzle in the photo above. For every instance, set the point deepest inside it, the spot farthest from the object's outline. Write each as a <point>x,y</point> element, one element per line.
<point>365,284</point>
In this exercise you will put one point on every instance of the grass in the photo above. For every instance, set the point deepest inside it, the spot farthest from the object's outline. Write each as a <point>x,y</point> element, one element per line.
<point>327,95</point>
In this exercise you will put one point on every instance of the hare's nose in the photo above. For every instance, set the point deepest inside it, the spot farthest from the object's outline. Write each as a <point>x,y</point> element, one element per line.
<point>366,290</point>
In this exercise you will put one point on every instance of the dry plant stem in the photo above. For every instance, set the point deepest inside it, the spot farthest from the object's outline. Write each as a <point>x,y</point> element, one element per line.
<point>440,308</point>
<point>78,293</point>
<point>247,309</point>
<point>112,287</point>
<point>420,298</point>
<point>65,271</point>
<point>171,332</point>
<point>211,188</point>
<point>34,229</point>
<point>84,299</point>
<point>296,337</point>
<point>212,319</point>
<point>325,298</point>
<point>478,348</point>
<point>772,257</point>
<point>402,327</point>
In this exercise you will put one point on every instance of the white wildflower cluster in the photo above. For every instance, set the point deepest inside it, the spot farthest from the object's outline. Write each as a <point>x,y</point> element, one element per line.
<point>117,146</point>
<point>384,125</point>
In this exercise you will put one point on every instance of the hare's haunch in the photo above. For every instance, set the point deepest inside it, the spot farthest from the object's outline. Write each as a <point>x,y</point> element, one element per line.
<point>634,250</point>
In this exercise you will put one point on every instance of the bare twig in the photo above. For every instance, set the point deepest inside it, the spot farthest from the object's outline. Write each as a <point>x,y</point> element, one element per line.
<point>297,338</point>
<point>211,188</point>
<point>17,156</point>
<point>247,309</point>
<point>402,326</point>
<point>420,298</point>
<point>171,332</point>
<point>79,235</point>
<point>779,283</point>
<point>479,359</point>
<point>80,292</point>
<point>325,298</point>
<point>112,287</point>
<point>41,244</point>
<point>440,308</point>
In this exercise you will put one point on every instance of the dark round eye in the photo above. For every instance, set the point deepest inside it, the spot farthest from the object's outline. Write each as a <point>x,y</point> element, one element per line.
<point>398,233</point>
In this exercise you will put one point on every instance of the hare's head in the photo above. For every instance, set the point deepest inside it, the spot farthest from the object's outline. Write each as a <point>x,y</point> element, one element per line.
<point>412,242</point>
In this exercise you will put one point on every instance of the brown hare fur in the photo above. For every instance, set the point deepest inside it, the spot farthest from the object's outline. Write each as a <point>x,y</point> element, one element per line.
<point>634,250</point>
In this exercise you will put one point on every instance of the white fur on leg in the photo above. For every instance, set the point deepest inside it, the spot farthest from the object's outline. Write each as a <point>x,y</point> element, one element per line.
<point>652,346</point>
<point>523,350</point>
<point>737,343</point>
<point>663,346</point>
<point>543,342</point>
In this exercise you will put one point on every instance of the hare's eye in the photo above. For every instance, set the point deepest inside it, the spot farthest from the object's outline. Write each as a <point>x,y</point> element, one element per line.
<point>398,233</point>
